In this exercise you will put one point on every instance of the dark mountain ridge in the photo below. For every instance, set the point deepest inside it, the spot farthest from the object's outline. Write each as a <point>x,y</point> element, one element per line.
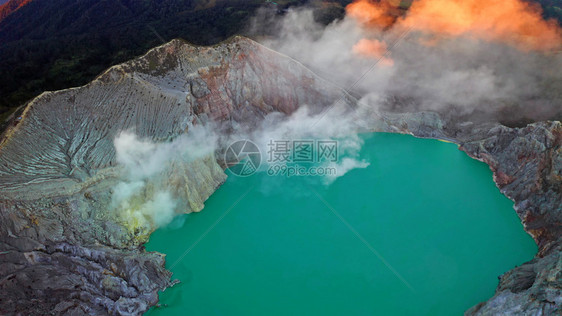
<point>56,44</point>
<point>9,7</point>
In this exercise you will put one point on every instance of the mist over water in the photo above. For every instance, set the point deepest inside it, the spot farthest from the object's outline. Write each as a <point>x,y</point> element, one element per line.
<point>421,230</point>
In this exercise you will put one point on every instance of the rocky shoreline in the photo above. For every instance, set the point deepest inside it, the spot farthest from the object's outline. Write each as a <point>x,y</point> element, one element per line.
<point>62,249</point>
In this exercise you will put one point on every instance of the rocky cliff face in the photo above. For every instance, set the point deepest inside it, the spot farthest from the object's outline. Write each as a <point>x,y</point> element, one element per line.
<point>527,166</point>
<point>62,247</point>
<point>64,250</point>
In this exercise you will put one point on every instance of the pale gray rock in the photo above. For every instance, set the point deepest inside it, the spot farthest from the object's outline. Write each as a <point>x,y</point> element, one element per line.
<point>64,251</point>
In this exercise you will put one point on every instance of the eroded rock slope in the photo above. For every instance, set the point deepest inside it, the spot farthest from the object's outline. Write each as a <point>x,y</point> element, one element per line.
<point>62,248</point>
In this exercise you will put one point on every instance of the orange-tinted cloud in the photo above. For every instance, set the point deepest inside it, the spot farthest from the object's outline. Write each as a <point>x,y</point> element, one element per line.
<point>513,22</point>
<point>380,14</point>
<point>373,48</point>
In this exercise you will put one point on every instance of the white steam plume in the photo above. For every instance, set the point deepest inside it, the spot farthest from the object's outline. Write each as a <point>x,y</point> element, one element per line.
<point>141,198</point>
<point>464,72</point>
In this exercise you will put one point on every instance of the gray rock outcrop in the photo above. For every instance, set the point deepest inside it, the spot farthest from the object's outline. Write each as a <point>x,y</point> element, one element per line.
<point>64,250</point>
<point>62,247</point>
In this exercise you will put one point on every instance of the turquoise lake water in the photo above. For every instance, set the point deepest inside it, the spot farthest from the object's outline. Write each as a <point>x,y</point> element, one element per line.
<point>422,231</point>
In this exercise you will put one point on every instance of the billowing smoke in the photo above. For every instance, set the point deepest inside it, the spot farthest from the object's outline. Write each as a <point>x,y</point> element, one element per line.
<point>467,55</point>
<point>146,199</point>
<point>513,22</point>
<point>334,125</point>
<point>143,198</point>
